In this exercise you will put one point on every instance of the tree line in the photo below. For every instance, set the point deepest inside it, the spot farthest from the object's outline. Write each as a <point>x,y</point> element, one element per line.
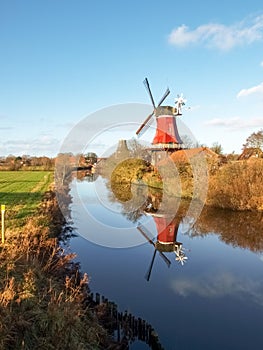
<point>253,146</point>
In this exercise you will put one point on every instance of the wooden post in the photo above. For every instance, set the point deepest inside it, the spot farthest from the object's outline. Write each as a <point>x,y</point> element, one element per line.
<point>3,222</point>
<point>97,298</point>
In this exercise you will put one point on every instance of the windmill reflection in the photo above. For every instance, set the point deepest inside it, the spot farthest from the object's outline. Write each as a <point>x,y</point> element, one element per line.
<point>88,175</point>
<point>167,227</point>
<point>166,212</point>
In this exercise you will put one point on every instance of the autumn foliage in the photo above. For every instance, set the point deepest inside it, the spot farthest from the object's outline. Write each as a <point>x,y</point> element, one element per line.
<point>238,186</point>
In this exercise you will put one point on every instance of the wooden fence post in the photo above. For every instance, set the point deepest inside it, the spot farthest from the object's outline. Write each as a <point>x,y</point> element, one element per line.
<point>3,222</point>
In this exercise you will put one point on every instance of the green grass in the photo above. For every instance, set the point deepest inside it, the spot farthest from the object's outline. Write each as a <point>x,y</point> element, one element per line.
<point>21,192</point>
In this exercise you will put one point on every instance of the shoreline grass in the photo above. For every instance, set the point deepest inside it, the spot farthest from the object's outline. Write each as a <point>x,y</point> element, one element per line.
<point>41,290</point>
<point>45,301</point>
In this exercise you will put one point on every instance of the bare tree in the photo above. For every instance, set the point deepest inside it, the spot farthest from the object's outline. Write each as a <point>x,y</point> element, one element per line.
<point>138,150</point>
<point>190,142</point>
<point>255,140</point>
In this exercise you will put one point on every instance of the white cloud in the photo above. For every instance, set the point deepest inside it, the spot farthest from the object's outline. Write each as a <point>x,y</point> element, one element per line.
<point>218,35</point>
<point>223,122</point>
<point>221,285</point>
<point>44,145</point>
<point>261,63</point>
<point>235,123</point>
<point>258,89</point>
<point>6,127</point>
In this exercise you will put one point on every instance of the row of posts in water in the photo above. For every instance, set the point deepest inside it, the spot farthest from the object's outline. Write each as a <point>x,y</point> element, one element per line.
<point>124,325</point>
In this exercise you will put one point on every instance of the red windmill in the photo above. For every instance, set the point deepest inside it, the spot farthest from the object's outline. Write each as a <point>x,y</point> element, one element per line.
<point>166,240</point>
<point>166,135</point>
<point>167,224</point>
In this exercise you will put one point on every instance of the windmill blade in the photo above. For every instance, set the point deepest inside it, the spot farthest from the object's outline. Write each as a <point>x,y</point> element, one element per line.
<point>144,123</point>
<point>165,259</point>
<point>164,96</point>
<point>142,231</point>
<point>147,85</point>
<point>148,275</point>
<point>144,127</point>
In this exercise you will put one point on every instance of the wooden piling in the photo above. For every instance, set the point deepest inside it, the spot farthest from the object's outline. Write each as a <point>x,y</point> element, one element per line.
<point>97,300</point>
<point>127,327</point>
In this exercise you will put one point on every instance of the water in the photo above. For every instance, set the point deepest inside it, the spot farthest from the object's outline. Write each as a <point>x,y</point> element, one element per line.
<point>211,300</point>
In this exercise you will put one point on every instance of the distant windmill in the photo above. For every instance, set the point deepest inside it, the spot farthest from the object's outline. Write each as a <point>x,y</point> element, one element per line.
<point>166,134</point>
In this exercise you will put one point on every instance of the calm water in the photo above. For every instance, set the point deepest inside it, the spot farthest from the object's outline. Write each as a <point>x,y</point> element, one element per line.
<point>211,300</point>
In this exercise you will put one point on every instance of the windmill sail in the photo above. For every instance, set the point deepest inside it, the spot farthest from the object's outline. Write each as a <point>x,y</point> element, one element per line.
<point>148,121</point>
<point>146,234</point>
<point>145,125</point>
<point>147,85</point>
<point>148,275</point>
<point>164,97</point>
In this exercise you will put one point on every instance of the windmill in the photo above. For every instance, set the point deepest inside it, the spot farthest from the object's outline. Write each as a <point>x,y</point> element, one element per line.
<point>166,135</point>
<point>165,243</point>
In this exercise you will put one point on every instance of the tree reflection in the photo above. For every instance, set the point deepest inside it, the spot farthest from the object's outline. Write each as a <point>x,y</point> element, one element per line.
<point>239,228</point>
<point>242,229</point>
<point>131,199</point>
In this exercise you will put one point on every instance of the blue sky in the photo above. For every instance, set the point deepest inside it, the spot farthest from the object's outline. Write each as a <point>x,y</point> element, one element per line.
<point>62,60</point>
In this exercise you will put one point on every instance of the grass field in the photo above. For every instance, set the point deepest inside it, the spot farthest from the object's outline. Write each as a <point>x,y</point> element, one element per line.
<point>22,191</point>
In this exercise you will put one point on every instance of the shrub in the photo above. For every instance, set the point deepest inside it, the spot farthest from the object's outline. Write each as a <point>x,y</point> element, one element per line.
<point>238,186</point>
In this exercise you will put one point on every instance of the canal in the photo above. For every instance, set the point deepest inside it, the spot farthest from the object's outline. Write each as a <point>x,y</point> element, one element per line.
<point>197,281</point>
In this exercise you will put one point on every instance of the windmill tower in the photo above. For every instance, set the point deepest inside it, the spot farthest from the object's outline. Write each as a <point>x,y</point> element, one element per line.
<point>122,151</point>
<point>166,139</point>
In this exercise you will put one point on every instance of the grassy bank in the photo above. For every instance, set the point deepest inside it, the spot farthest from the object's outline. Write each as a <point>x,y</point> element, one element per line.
<point>42,294</point>
<point>236,185</point>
